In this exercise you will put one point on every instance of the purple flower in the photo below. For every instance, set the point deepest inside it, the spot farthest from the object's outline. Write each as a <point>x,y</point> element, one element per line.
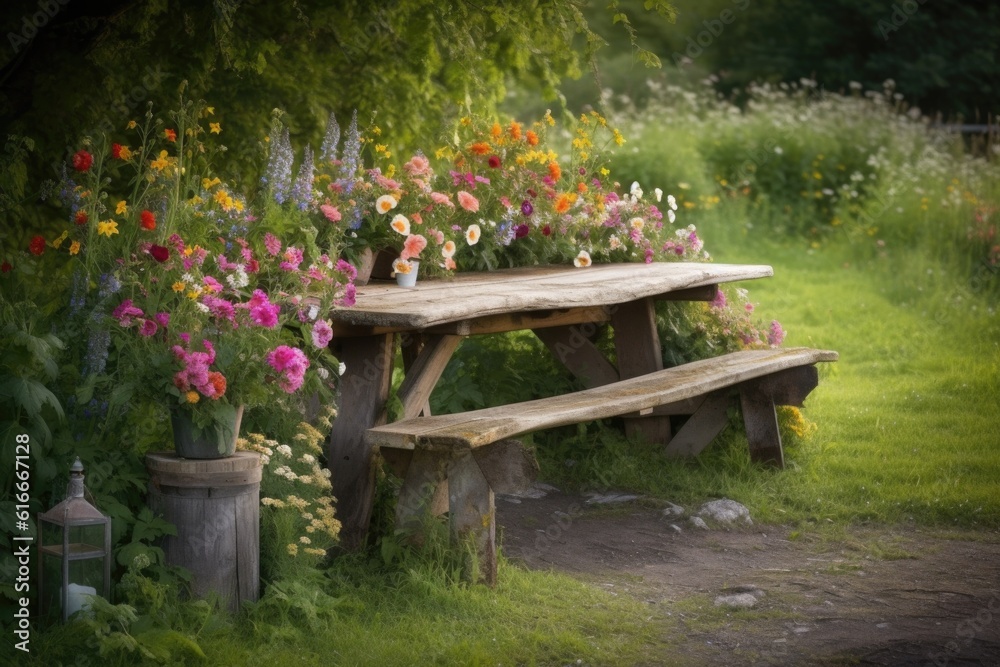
<point>347,269</point>
<point>302,190</point>
<point>278,176</point>
<point>521,231</point>
<point>526,208</point>
<point>322,334</point>
<point>328,150</point>
<point>775,334</point>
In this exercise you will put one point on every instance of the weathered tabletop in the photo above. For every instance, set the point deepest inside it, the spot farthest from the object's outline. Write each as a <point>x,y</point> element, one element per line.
<point>562,305</point>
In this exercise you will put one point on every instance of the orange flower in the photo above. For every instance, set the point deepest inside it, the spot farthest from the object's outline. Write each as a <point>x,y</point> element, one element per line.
<point>218,381</point>
<point>554,171</point>
<point>515,130</point>
<point>562,203</point>
<point>532,138</point>
<point>480,148</point>
<point>581,187</point>
<point>170,135</point>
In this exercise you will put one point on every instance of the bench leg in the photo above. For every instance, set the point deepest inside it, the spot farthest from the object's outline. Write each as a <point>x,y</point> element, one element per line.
<point>702,427</point>
<point>472,516</point>
<point>761,422</point>
<point>422,492</point>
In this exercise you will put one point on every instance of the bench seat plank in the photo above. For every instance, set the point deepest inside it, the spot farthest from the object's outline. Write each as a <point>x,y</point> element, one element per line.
<point>480,427</point>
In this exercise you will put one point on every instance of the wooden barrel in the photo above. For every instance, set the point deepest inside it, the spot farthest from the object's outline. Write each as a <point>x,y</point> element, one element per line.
<point>215,505</point>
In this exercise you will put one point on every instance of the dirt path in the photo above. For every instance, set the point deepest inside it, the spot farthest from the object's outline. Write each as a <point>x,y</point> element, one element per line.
<point>869,597</point>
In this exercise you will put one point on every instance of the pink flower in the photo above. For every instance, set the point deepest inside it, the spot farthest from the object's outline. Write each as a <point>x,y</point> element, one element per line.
<point>322,334</point>
<point>272,243</point>
<point>467,201</point>
<point>293,257</point>
<point>383,181</point>
<point>418,166</point>
<point>349,297</point>
<point>291,363</point>
<point>125,313</point>
<point>775,334</point>
<point>748,307</point>
<point>212,284</point>
<point>720,299</point>
<point>163,319</point>
<point>441,198</point>
<point>262,311</point>
<point>436,235</point>
<point>331,212</point>
<point>147,328</point>
<point>412,246</point>
<point>347,269</point>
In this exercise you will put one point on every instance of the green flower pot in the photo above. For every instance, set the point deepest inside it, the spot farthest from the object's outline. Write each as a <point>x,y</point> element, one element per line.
<point>216,441</point>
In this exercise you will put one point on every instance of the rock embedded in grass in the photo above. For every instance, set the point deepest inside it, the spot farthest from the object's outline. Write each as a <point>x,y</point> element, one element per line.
<point>725,511</point>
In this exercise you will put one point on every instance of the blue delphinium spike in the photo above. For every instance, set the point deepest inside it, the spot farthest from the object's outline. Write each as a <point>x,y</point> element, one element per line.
<point>328,151</point>
<point>352,154</point>
<point>302,190</point>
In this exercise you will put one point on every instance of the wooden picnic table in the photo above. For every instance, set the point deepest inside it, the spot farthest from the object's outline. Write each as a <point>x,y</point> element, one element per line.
<point>562,305</point>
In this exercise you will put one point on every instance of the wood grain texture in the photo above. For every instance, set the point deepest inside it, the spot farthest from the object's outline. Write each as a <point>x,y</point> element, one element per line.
<point>480,427</point>
<point>424,371</point>
<point>637,347</point>
<point>539,319</point>
<point>761,421</point>
<point>217,522</point>
<point>571,345</point>
<point>365,388</point>
<point>472,516</point>
<point>427,472</point>
<point>507,465</point>
<point>474,295</point>
<point>706,423</point>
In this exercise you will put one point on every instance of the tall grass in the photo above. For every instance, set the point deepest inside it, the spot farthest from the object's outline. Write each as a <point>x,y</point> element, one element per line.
<point>884,240</point>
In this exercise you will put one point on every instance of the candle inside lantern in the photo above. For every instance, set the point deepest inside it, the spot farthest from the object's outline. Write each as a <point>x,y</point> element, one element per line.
<point>76,600</point>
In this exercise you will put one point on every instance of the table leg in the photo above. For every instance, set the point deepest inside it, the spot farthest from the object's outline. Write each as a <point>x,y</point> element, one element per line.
<point>637,345</point>
<point>473,517</point>
<point>364,391</point>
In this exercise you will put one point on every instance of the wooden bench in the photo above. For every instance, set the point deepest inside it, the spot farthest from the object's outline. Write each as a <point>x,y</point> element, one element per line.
<point>455,447</point>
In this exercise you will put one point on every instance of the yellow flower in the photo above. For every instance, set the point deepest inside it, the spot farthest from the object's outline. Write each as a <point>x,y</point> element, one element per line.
<point>209,183</point>
<point>548,117</point>
<point>74,247</point>
<point>125,153</point>
<point>619,139</point>
<point>192,397</point>
<point>209,111</point>
<point>121,208</point>
<point>293,549</point>
<point>58,242</point>
<point>131,125</point>
<point>107,228</point>
<point>380,148</point>
<point>178,286</point>
<point>194,293</point>
<point>215,128</point>
<point>604,171</point>
<point>161,162</point>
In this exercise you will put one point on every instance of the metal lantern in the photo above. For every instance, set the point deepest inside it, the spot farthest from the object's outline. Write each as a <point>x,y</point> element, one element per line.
<point>74,538</point>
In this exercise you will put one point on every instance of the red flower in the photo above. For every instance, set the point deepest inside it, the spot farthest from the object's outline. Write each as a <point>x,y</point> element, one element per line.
<point>494,161</point>
<point>171,135</point>
<point>159,253</point>
<point>116,151</point>
<point>546,231</point>
<point>6,267</point>
<point>82,160</point>
<point>147,220</point>
<point>253,266</point>
<point>37,245</point>
<point>81,217</point>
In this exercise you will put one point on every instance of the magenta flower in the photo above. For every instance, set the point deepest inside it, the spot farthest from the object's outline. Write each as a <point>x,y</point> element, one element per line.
<point>147,328</point>
<point>347,269</point>
<point>350,294</point>
<point>291,363</point>
<point>775,335</point>
<point>526,208</point>
<point>720,299</point>
<point>163,319</point>
<point>126,313</point>
<point>293,257</point>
